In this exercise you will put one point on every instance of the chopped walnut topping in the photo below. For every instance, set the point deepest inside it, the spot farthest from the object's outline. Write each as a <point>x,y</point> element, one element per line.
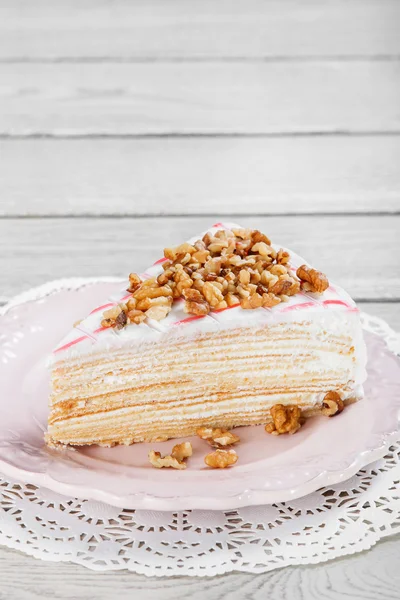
<point>136,316</point>
<point>332,404</point>
<point>243,234</point>
<point>216,437</point>
<point>152,292</point>
<point>115,317</point>
<point>285,419</point>
<point>244,277</point>
<point>269,300</point>
<point>220,459</point>
<point>212,293</point>
<point>257,236</point>
<point>231,299</point>
<point>182,280</point>
<point>253,301</point>
<point>263,249</point>
<point>195,303</point>
<point>121,320</point>
<point>277,270</point>
<point>224,269</point>
<point>183,249</point>
<point>147,303</point>
<point>134,282</point>
<point>157,312</point>
<point>282,286</point>
<point>283,257</point>
<point>312,280</point>
<point>175,460</point>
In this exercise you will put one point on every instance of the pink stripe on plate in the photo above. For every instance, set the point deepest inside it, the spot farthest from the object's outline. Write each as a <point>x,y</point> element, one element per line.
<point>76,341</point>
<point>160,260</point>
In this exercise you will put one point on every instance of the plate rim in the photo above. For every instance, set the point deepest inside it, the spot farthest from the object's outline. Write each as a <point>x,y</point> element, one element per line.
<point>150,501</point>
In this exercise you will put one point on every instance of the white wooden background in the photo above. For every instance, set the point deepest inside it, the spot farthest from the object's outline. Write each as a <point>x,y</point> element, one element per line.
<point>128,125</point>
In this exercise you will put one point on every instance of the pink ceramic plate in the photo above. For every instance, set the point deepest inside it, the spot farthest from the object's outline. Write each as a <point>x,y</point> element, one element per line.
<point>270,469</point>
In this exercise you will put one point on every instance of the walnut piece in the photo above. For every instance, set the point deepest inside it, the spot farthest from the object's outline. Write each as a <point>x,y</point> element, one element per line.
<point>220,459</point>
<point>285,419</point>
<point>182,451</point>
<point>175,460</point>
<point>269,300</point>
<point>115,317</point>
<point>195,303</point>
<point>282,286</point>
<point>282,257</point>
<point>253,301</point>
<point>332,404</point>
<point>312,280</point>
<point>159,461</point>
<point>157,312</point>
<point>134,282</point>
<point>152,292</point>
<point>216,437</point>
<point>212,293</point>
<point>257,236</point>
<point>136,316</point>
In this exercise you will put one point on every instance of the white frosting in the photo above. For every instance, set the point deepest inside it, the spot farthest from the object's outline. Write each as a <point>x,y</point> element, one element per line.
<point>334,308</point>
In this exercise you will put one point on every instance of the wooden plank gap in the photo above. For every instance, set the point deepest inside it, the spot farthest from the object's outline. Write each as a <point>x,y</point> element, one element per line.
<point>197,59</point>
<point>4,136</point>
<point>213,216</point>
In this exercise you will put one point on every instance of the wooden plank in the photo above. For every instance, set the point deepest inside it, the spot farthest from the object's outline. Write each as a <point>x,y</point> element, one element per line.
<point>369,575</point>
<point>181,98</point>
<point>199,176</point>
<point>353,251</point>
<point>199,29</point>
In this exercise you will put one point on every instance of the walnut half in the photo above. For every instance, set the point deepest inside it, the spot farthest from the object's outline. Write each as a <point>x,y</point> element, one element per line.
<point>216,437</point>
<point>285,419</point>
<point>182,451</point>
<point>332,404</point>
<point>175,460</point>
<point>312,280</point>
<point>220,459</point>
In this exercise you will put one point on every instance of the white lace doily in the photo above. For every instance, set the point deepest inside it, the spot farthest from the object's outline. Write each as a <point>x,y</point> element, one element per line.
<point>334,521</point>
<point>329,523</point>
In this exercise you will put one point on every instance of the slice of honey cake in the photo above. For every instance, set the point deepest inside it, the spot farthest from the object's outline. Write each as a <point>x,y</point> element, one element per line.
<point>226,330</point>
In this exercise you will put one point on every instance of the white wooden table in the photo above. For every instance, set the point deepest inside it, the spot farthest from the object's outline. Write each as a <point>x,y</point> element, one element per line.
<point>126,126</point>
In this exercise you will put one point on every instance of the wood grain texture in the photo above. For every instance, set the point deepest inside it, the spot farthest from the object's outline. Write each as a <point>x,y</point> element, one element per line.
<point>37,250</point>
<point>179,98</point>
<point>198,29</point>
<point>369,575</point>
<point>199,176</point>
